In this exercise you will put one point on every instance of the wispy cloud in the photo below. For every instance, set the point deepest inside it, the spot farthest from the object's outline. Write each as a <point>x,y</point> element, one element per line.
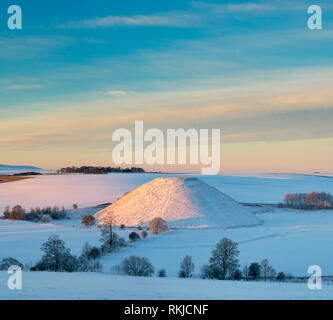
<point>273,110</point>
<point>232,7</point>
<point>116,93</point>
<point>27,47</point>
<point>25,86</point>
<point>251,6</point>
<point>171,19</point>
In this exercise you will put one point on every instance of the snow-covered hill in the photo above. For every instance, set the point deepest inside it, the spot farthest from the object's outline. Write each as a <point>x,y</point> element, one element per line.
<point>186,202</point>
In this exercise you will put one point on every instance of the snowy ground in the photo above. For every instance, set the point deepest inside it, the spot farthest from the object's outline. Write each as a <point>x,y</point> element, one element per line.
<point>53,286</point>
<point>291,240</point>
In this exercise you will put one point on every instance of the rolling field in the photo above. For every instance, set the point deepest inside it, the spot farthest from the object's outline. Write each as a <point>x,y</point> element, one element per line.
<point>290,239</point>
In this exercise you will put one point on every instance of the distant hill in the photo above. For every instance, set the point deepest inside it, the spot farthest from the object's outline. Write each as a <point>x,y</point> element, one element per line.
<point>15,168</point>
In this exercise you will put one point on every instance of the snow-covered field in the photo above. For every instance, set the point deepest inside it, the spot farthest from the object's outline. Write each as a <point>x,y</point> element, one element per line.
<point>53,286</point>
<point>89,190</point>
<point>291,240</point>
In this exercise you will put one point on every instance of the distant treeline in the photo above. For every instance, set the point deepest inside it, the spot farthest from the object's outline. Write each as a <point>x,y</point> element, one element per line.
<point>35,214</point>
<point>99,170</point>
<point>309,201</point>
<point>31,173</point>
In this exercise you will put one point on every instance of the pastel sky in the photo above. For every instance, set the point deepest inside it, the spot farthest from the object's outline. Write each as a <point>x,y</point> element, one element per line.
<point>79,70</point>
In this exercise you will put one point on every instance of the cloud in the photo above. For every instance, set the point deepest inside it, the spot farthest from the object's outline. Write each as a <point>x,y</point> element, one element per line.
<point>116,93</point>
<point>270,110</point>
<point>251,7</point>
<point>25,86</point>
<point>30,47</point>
<point>172,19</point>
<point>232,7</point>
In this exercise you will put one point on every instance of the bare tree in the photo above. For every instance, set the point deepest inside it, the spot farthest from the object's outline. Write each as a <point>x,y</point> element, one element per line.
<point>110,240</point>
<point>267,271</point>
<point>144,234</point>
<point>254,271</point>
<point>186,268</point>
<point>107,229</point>
<point>17,213</point>
<point>224,258</point>
<point>246,272</point>
<point>137,266</point>
<point>56,256</point>
<point>6,213</point>
<point>158,225</point>
<point>88,220</point>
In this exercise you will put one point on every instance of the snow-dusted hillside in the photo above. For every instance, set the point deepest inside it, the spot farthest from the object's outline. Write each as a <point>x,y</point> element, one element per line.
<point>186,202</point>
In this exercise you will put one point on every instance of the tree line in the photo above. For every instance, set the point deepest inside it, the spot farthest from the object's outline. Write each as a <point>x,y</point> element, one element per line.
<point>35,214</point>
<point>99,170</point>
<point>308,201</point>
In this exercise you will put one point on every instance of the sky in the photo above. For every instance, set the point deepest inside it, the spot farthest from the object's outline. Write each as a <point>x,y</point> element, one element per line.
<point>78,71</point>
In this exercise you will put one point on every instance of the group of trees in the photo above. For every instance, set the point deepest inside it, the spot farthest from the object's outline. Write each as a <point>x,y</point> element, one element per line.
<point>58,258</point>
<point>35,214</point>
<point>257,270</point>
<point>142,267</point>
<point>30,173</point>
<point>224,264</point>
<point>156,226</point>
<point>98,170</point>
<point>111,239</point>
<point>309,201</point>
<point>16,213</point>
